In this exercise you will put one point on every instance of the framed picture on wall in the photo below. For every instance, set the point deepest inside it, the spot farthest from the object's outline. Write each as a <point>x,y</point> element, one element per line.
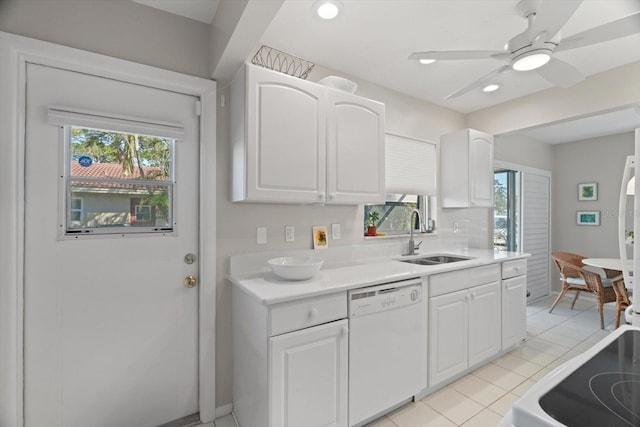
<point>588,218</point>
<point>588,191</point>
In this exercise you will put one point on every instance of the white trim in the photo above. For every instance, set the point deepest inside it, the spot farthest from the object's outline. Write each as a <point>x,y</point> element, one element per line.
<point>15,52</point>
<point>224,410</point>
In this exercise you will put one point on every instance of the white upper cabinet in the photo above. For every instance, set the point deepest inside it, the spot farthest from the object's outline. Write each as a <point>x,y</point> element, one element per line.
<point>295,141</point>
<point>466,165</point>
<point>355,149</point>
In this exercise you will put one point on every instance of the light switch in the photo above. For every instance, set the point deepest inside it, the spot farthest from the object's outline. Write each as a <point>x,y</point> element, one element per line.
<point>261,236</point>
<point>336,234</point>
<point>289,233</point>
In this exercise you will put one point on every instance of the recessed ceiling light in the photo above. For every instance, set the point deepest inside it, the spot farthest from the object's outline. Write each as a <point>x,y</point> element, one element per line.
<point>491,87</point>
<point>327,9</point>
<point>427,61</point>
<point>531,60</point>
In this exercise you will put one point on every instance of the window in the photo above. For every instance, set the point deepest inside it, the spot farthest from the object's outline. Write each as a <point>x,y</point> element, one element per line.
<point>76,211</point>
<point>506,212</point>
<point>394,217</point>
<point>143,213</point>
<point>118,182</point>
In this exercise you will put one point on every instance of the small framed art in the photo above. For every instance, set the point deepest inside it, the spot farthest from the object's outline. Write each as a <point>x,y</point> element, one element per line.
<point>588,217</point>
<point>588,191</point>
<point>320,240</point>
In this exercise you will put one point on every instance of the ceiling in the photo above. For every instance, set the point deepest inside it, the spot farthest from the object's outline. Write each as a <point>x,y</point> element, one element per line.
<point>200,10</point>
<point>372,39</point>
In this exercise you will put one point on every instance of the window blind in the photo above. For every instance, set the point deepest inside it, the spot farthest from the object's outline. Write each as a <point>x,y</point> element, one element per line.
<point>71,116</point>
<point>410,166</point>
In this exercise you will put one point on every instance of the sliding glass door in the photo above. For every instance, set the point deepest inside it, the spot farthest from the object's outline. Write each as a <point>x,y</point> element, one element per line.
<point>506,212</point>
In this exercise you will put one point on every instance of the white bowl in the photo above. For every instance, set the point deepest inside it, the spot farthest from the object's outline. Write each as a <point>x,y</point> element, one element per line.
<point>339,83</point>
<point>295,268</point>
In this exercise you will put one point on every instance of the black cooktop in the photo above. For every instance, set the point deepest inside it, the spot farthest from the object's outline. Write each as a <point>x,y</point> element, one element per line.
<point>604,391</point>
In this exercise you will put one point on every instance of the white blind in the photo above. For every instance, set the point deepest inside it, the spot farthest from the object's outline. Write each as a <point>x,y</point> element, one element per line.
<point>410,166</point>
<point>535,231</point>
<point>71,116</point>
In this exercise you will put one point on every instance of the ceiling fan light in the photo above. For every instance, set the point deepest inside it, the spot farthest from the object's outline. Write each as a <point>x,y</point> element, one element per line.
<point>327,9</point>
<point>531,61</point>
<point>491,87</point>
<point>426,61</point>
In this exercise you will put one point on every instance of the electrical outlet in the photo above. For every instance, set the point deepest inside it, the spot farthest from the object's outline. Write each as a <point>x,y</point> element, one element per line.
<point>289,233</point>
<point>261,236</point>
<point>336,234</point>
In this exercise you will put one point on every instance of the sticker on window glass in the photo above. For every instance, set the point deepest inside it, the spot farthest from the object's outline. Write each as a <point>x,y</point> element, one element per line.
<point>85,161</point>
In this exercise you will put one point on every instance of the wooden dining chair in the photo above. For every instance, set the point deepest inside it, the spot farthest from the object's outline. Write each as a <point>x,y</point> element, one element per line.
<point>569,266</point>
<point>614,292</point>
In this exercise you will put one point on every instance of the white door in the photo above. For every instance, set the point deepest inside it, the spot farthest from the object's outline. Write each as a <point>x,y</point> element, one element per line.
<point>481,169</point>
<point>448,336</point>
<point>286,140</point>
<point>536,218</point>
<point>308,372</point>
<point>514,311</point>
<point>484,322</point>
<point>355,149</point>
<point>110,331</point>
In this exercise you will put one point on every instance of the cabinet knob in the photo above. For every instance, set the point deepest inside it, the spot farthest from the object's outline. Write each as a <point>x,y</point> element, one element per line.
<point>313,313</point>
<point>320,196</point>
<point>332,196</point>
<point>345,331</point>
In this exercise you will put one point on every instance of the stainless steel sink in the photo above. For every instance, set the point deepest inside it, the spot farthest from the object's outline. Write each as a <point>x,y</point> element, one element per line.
<point>435,259</point>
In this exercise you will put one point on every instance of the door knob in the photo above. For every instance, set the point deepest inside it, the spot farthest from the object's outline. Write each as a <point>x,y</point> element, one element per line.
<point>189,281</point>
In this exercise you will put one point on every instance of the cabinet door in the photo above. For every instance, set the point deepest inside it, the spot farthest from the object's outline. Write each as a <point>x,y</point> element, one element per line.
<point>355,149</point>
<point>286,138</point>
<point>308,377</point>
<point>514,311</point>
<point>484,322</point>
<point>481,169</point>
<point>448,331</point>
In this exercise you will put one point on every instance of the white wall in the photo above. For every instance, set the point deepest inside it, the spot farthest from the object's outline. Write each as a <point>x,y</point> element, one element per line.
<point>523,150</point>
<point>122,29</point>
<point>599,160</point>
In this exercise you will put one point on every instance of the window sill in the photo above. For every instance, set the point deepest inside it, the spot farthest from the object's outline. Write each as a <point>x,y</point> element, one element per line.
<point>401,236</point>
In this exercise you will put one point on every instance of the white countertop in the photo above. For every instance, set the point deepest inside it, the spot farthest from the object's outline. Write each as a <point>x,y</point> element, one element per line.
<point>267,288</point>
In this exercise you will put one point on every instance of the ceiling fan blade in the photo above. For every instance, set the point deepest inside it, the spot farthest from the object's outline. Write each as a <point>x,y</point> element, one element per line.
<point>481,82</point>
<point>456,54</point>
<point>560,73</point>
<point>551,17</point>
<point>619,28</point>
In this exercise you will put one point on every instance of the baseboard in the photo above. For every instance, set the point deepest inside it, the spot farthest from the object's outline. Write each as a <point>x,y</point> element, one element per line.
<point>223,410</point>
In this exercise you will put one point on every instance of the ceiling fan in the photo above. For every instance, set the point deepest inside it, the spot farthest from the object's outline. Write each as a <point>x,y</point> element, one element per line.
<point>534,48</point>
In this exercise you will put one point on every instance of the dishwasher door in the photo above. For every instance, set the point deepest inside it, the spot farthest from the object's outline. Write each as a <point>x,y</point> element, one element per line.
<point>387,347</point>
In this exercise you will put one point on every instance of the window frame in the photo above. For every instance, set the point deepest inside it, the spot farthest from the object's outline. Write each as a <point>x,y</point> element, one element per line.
<point>65,231</point>
<point>424,207</point>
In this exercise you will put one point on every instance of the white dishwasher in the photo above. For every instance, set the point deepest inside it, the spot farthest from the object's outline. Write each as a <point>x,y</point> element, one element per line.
<point>387,347</point>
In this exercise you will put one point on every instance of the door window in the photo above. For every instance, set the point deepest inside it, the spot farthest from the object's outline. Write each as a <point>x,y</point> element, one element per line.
<point>118,182</point>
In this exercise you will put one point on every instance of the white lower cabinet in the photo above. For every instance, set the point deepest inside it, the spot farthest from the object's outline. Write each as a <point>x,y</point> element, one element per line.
<point>290,361</point>
<point>308,371</point>
<point>464,325</point>
<point>514,303</point>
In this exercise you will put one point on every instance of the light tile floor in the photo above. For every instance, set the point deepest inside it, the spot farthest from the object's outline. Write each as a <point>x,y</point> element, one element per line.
<point>484,396</point>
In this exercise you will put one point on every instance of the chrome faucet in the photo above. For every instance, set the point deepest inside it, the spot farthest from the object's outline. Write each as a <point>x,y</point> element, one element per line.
<point>412,246</point>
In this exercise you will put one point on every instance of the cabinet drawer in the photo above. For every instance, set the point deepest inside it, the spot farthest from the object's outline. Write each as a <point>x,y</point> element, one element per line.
<point>452,281</point>
<point>514,268</point>
<point>294,315</point>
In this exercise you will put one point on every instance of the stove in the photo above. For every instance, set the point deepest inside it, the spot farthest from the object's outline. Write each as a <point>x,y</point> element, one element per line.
<point>600,387</point>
